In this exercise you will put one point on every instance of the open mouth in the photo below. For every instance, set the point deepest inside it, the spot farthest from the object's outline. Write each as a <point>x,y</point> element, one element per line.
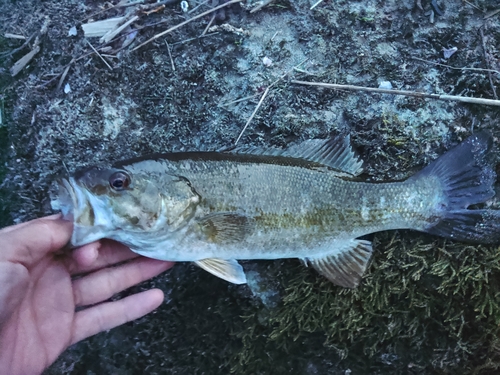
<point>75,206</point>
<point>63,198</point>
<point>78,205</point>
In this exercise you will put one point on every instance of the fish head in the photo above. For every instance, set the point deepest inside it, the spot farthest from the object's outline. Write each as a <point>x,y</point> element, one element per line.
<point>118,204</point>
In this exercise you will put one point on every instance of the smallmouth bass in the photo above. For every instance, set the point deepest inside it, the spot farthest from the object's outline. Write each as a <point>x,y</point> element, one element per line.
<point>301,202</point>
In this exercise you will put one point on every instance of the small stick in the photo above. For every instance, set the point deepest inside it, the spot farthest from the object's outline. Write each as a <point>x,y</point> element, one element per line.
<point>264,96</point>
<point>57,75</point>
<point>23,61</point>
<point>463,99</point>
<point>487,61</point>
<point>170,55</point>
<point>253,114</point>
<point>262,5</point>
<point>98,54</point>
<point>14,36</point>
<point>199,5</point>
<point>316,4</point>
<point>112,33</point>
<point>186,22</point>
<point>456,68</point>
<point>18,48</point>
<point>208,26</point>
<point>474,6</point>
<point>65,73</point>
<point>239,100</point>
<point>491,14</point>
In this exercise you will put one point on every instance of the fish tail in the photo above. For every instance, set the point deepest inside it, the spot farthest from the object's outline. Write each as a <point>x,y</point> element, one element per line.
<point>467,177</point>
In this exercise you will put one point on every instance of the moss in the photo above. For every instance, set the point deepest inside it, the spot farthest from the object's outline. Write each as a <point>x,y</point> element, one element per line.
<point>424,306</point>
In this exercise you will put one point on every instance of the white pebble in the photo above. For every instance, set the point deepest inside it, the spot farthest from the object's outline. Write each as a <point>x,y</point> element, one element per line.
<point>72,31</point>
<point>448,52</point>
<point>386,85</point>
<point>267,61</point>
<point>67,88</point>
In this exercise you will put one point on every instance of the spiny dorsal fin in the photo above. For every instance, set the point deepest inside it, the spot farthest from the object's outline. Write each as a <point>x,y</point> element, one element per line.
<point>346,266</point>
<point>335,153</point>
<point>225,227</point>
<point>229,270</point>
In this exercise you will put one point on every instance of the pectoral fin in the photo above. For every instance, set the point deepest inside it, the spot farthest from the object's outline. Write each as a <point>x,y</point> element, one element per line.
<point>225,227</point>
<point>346,265</point>
<point>229,270</point>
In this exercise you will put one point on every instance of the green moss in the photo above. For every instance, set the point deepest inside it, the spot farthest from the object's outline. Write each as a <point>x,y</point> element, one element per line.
<point>423,307</point>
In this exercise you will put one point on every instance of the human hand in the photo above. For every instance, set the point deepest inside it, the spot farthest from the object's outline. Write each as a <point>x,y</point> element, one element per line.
<point>38,296</point>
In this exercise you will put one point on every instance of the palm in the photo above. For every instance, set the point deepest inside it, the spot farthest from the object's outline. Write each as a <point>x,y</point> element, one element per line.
<point>40,295</point>
<point>40,328</point>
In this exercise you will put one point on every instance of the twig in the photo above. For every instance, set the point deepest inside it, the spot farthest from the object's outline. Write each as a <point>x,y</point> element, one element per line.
<point>185,22</point>
<point>487,61</point>
<point>491,14</point>
<point>112,33</point>
<point>65,67</point>
<point>463,99</point>
<point>97,13</point>
<point>18,48</point>
<point>474,6</point>
<point>14,36</point>
<point>199,5</point>
<point>170,55</point>
<point>264,96</point>
<point>457,68</point>
<point>23,61</point>
<point>239,100</point>
<point>98,54</point>
<point>316,4</point>
<point>253,114</point>
<point>124,4</point>
<point>208,25</point>
<point>261,5</point>
<point>65,73</point>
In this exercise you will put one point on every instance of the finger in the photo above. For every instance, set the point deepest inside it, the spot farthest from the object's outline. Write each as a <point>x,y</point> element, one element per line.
<point>84,256</point>
<point>20,225</point>
<point>28,243</point>
<point>108,253</point>
<point>108,315</point>
<point>103,284</point>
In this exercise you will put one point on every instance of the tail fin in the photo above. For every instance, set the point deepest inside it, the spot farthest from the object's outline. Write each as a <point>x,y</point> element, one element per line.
<point>467,177</point>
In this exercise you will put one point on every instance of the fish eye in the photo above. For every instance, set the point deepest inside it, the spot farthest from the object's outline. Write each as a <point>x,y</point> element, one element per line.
<point>119,181</point>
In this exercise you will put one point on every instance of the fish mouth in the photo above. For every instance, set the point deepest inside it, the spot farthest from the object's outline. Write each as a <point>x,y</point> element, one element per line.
<point>64,199</point>
<point>76,205</point>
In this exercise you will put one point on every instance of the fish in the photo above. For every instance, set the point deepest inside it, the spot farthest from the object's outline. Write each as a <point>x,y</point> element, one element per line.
<point>306,201</point>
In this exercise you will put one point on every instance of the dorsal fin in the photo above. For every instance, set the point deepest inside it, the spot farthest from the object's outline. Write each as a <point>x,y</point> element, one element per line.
<point>335,153</point>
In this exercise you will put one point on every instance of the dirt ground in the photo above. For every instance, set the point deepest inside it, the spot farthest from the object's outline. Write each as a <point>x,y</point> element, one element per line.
<point>195,88</point>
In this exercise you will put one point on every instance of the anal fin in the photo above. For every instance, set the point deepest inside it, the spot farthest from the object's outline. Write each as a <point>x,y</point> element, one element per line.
<point>346,264</point>
<point>229,270</point>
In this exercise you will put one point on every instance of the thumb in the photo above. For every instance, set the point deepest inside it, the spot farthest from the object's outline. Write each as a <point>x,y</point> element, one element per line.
<point>27,243</point>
